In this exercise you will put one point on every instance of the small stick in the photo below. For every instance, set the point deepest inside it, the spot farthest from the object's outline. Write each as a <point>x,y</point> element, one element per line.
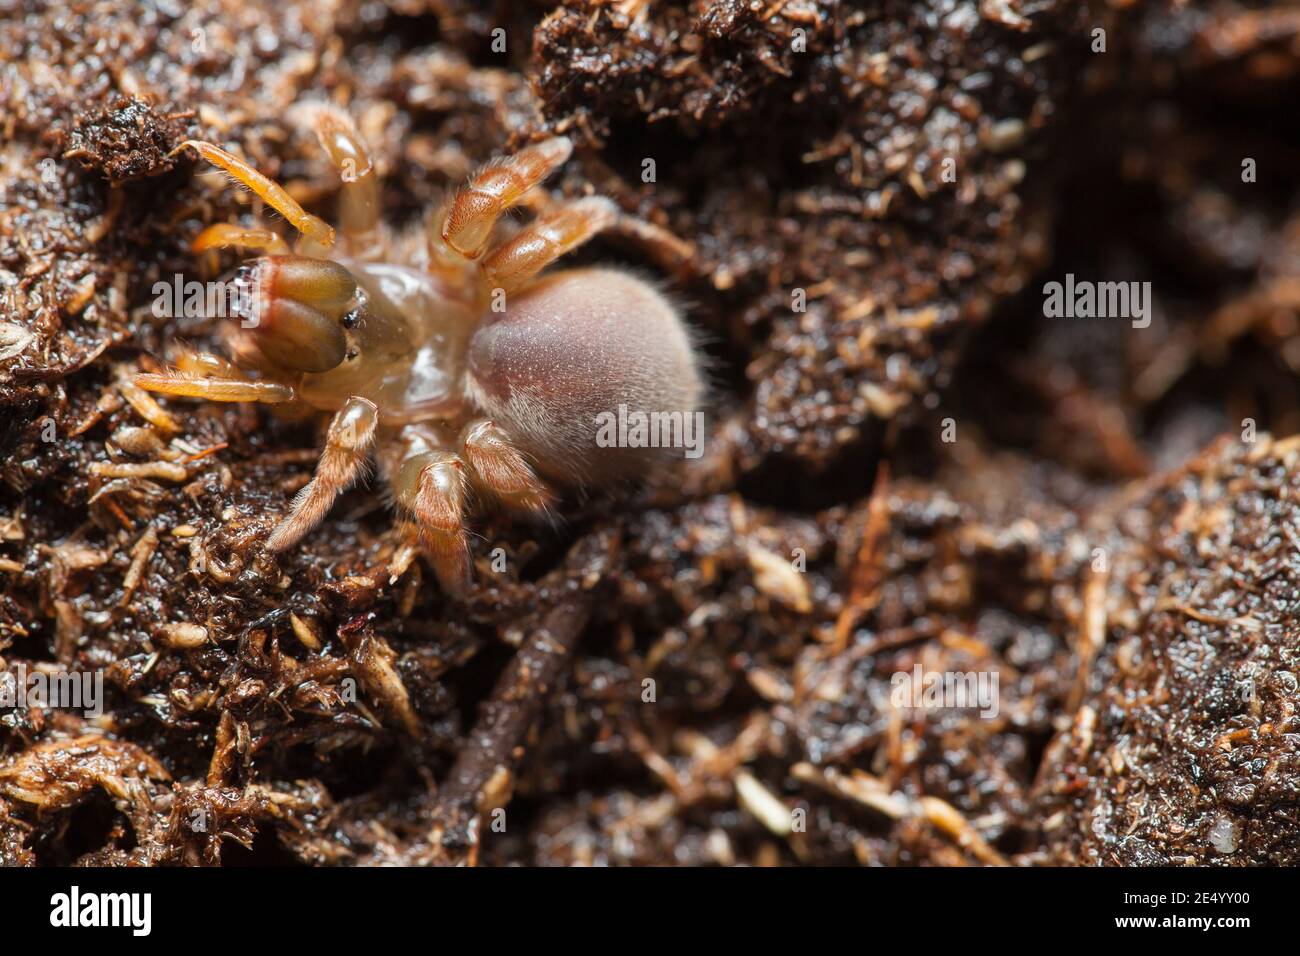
<point>482,777</point>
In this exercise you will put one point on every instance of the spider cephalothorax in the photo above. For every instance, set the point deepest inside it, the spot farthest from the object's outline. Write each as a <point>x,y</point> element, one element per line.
<point>458,368</point>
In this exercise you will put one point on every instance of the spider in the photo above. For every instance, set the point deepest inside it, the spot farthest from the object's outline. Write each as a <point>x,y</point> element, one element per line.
<point>454,362</point>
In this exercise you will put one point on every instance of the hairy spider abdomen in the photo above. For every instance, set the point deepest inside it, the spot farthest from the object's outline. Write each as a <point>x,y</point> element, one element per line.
<point>575,347</point>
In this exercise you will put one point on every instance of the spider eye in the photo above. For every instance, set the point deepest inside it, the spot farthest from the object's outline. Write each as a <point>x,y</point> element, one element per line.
<point>352,319</point>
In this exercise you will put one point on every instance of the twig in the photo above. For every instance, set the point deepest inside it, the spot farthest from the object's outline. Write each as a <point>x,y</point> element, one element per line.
<point>482,778</point>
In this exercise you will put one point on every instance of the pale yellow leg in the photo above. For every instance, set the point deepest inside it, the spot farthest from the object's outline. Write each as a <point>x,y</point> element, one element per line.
<point>215,389</point>
<point>224,235</point>
<point>316,230</point>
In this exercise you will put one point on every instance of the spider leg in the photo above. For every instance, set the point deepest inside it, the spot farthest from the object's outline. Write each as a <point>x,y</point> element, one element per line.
<point>204,375</point>
<point>467,224</point>
<point>198,364</point>
<point>215,388</point>
<point>347,150</point>
<point>429,482</point>
<point>510,265</point>
<point>347,446</point>
<point>224,235</point>
<point>501,469</point>
<point>315,231</point>
<point>668,251</point>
